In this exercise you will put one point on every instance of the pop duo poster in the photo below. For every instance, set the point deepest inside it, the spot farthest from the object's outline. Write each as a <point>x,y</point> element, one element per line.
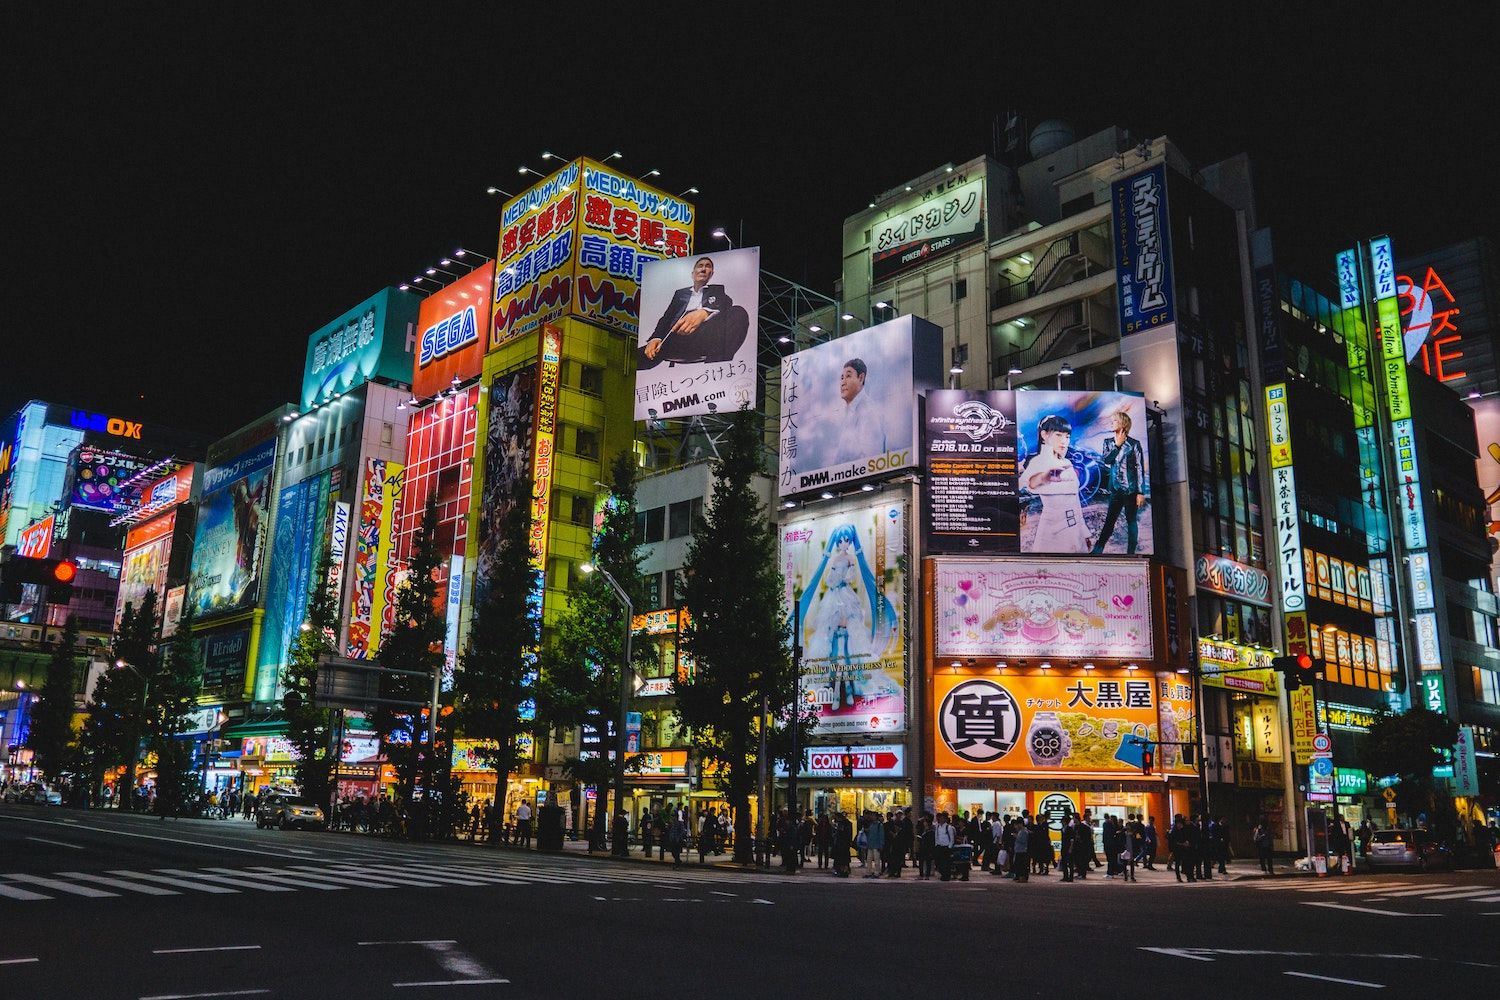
<point>1036,472</point>
<point>845,575</point>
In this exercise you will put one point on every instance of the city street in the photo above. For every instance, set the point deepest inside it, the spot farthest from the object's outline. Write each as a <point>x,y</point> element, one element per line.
<point>102,905</point>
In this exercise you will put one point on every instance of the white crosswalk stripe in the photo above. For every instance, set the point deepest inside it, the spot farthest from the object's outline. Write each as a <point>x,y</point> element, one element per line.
<point>120,883</point>
<point>181,883</point>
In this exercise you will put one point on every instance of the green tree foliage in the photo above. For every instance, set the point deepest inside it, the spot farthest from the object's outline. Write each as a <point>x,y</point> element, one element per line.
<point>497,674</point>
<point>581,665</point>
<point>308,725</point>
<point>115,725</point>
<point>415,643</point>
<point>51,735</point>
<point>175,684</point>
<point>738,630</point>
<point>1409,746</point>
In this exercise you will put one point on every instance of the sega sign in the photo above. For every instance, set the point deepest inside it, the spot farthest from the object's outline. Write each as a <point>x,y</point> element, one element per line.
<point>451,345</point>
<point>453,333</point>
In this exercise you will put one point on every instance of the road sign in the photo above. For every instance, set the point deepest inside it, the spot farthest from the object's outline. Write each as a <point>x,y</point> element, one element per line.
<point>1322,744</point>
<point>1322,766</point>
<point>1389,795</point>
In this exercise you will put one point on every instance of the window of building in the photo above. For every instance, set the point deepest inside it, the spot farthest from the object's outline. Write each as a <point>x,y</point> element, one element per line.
<point>591,380</point>
<point>387,434</point>
<point>650,525</point>
<point>586,443</point>
<point>960,289</point>
<point>581,509</point>
<point>681,515</point>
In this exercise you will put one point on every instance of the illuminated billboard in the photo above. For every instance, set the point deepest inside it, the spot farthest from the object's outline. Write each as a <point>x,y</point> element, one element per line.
<point>105,480</point>
<point>697,342</point>
<point>451,340</point>
<point>296,545</point>
<point>1143,250</point>
<point>165,493</point>
<point>846,586</point>
<point>35,541</point>
<point>375,338</point>
<point>947,218</point>
<point>148,555</point>
<point>848,406</point>
<point>575,244</point>
<point>509,441</point>
<point>372,605</point>
<point>1063,609</point>
<point>1042,723</point>
<point>1036,471</point>
<point>231,532</point>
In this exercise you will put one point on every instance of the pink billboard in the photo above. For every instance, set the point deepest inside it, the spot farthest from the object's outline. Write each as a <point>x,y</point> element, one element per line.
<point>1066,609</point>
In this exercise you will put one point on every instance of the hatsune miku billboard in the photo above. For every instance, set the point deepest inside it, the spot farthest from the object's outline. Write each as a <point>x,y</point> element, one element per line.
<point>845,575</point>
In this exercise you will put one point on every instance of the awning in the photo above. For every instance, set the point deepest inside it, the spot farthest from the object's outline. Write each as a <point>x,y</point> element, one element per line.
<point>240,729</point>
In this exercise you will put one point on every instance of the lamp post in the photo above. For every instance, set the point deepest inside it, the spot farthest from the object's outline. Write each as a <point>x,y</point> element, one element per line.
<point>130,765</point>
<point>620,848</point>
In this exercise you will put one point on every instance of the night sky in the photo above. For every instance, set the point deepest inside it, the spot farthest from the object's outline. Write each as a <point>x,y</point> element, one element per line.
<point>187,197</point>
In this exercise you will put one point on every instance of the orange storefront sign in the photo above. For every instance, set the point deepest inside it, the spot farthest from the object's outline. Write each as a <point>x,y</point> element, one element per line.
<point>451,333</point>
<point>1042,724</point>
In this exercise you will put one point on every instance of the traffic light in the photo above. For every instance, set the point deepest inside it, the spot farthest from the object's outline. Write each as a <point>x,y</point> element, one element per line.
<point>1148,759</point>
<point>846,762</point>
<point>56,575</point>
<point>1296,670</point>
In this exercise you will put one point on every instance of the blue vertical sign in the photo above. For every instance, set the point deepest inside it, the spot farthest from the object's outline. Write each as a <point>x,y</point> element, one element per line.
<point>1143,251</point>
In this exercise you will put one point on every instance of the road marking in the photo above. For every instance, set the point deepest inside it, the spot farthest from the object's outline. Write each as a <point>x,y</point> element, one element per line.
<point>331,881</point>
<point>1462,894</point>
<point>289,880</point>
<point>352,878</point>
<point>237,882</point>
<point>366,944</point>
<point>119,883</point>
<point>454,982</point>
<point>199,996</point>
<point>15,892</point>
<point>148,836</point>
<point>394,873</point>
<point>1181,953</point>
<point>716,892</point>
<point>1371,909</point>
<point>194,951</point>
<point>58,885</point>
<point>765,901</point>
<point>181,883</point>
<point>455,963</point>
<point>58,843</point>
<point>1206,954</point>
<point>1333,979</point>
<point>17,961</point>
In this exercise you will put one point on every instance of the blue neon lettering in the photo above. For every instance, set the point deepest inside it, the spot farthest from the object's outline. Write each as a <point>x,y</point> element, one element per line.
<point>449,335</point>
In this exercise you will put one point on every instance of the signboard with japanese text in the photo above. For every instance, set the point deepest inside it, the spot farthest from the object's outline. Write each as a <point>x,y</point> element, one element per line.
<point>451,339</point>
<point>1465,763</point>
<point>1143,250</point>
<point>1047,722</point>
<point>1433,696</point>
<point>230,540</point>
<point>696,348</point>
<point>543,457</point>
<point>165,493</point>
<point>148,555</point>
<point>35,541</point>
<point>375,338</point>
<point>1037,471</point>
<point>1347,264</point>
<point>1266,730</point>
<point>1430,314</point>
<point>1179,722</point>
<point>948,217</point>
<point>849,406</point>
<point>576,243</point>
<point>107,480</point>
<point>1223,575</point>
<point>1066,609</point>
<point>1429,645</point>
<point>1279,425</point>
<point>372,608</point>
<point>846,585</point>
<point>1304,724</point>
<point>1286,515</point>
<point>1237,667</point>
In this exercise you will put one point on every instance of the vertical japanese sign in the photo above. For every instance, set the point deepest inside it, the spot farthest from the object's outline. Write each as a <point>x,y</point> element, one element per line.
<point>1433,696</point>
<point>375,338</point>
<point>544,454</point>
<point>1465,763</point>
<point>1304,724</point>
<point>1143,251</point>
<point>372,608</point>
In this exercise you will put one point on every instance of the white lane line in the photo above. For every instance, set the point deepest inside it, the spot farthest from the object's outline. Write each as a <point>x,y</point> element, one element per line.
<point>119,883</point>
<point>716,892</point>
<point>201,996</point>
<point>1333,979</point>
<point>1462,894</point>
<point>280,879</point>
<point>58,843</point>
<point>148,836</point>
<point>58,885</point>
<point>17,961</point>
<point>367,944</point>
<point>437,872</point>
<point>181,883</point>
<point>194,951</point>
<point>1371,909</point>
<point>326,881</point>
<point>454,982</point>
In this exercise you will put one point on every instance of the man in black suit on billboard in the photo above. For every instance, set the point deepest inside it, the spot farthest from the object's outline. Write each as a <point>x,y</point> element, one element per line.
<point>701,324</point>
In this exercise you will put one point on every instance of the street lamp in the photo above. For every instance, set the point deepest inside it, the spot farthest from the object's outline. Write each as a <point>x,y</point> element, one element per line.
<point>620,848</point>
<point>720,234</point>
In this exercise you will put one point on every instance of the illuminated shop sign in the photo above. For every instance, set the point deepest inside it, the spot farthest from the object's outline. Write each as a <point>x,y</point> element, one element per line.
<point>1143,250</point>
<point>102,424</point>
<point>1348,270</point>
<point>1431,327</point>
<point>1223,575</point>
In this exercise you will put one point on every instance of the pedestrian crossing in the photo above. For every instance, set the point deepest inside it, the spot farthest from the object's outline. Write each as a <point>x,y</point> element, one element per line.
<point>337,876</point>
<point>1366,890</point>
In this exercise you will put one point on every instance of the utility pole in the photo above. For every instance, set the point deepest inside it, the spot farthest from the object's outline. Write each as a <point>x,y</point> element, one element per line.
<point>794,764</point>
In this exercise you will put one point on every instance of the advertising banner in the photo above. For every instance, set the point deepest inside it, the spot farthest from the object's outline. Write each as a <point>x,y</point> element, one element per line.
<point>885,760</point>
<point>1285,515</point>
<point>104,480</point>
<point>945,221</point>
<point>697,341</point>
<point>231,528</point>
<point>301,527</point>
<point>374,338</point>
<point>166,492</point>
<point>1465,763</point>
<point>1026,609</point>
<point>845,583</point>
<point>1304,724</point>
<point>1223,575</point>
<point>1036,471</point>
<point>509,442</point>
<point>1237,667</point>
<point>1143,250</point>
<point>848,406</point>
<point>225,652</point>
<point>534,263</point>
<point>35,541</point>
<point>1179,714</point>
<point>1047,722</point>
<point>543,455</point>
<point>372,608</point>
<point>172,613</point>
<point>452,323</point>
<point>148,553</point>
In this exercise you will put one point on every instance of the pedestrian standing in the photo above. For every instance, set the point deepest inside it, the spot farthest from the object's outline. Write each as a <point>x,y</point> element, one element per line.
<point>925,846</point>
<point>1221,843</point>
<point>1182,839</point>
<point>677,835</point>
<point>1083,847</point>
<point>1022,849</point>
<point>1065,856</point>
<point>943,836</point>
<point>823,838</point>
<point>843,836</point>
<point>1263,844</point>
<point>1134,844</point>
<point>523,823</point>
<point>1151,844</point>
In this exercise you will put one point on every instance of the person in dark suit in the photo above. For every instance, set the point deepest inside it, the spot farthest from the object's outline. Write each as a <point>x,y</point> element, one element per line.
<point>701,323</point>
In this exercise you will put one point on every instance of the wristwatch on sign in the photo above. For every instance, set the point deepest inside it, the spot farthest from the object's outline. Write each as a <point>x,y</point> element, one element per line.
<point>1047,741</point>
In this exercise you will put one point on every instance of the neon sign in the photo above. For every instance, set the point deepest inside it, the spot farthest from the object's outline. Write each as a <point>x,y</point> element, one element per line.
<point>1430,325</point>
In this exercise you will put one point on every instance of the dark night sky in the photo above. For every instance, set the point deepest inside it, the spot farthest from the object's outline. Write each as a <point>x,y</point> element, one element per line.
<point>186,198</point>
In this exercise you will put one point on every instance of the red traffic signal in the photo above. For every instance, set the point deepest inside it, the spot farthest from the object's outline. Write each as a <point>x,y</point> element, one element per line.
<point>1297,669</point>
<point>1148,760</point>
<point>64,572</point>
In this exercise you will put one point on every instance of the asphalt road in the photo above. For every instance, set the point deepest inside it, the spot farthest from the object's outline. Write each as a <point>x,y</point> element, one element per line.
<point>99,905</point>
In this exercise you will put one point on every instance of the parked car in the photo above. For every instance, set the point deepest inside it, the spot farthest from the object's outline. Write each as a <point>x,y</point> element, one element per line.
<point>1414,849</point>
<point>289,812</point>
<point>33,793</point>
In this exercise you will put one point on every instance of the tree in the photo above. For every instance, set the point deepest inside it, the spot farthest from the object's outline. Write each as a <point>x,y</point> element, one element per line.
<point>496,681</point>
<point>415,644</point>
<point>307,724</point>
<point>737,633</point>
<point>1409,746</point>
<point>580,682</point>
<point>114,727</point>
<point>51,737</point>
<point>173,696</point>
